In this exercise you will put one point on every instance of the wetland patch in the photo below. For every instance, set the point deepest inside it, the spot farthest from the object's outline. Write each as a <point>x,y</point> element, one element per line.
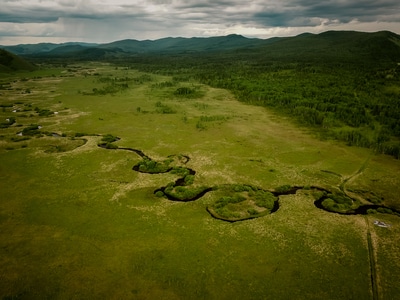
<point>239,202</point>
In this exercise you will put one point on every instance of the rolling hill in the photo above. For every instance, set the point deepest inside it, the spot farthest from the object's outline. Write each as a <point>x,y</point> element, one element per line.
<point>11,62</point>
<point>344,46</point>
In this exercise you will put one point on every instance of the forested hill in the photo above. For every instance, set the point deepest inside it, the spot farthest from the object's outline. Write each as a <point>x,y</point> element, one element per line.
<point>10,62</point>
<point>125,48</point>
<point>337,45</point>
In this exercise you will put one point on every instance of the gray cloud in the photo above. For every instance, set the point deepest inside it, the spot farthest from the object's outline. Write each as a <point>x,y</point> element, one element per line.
<point>303,12</point>
<point>105,20</point>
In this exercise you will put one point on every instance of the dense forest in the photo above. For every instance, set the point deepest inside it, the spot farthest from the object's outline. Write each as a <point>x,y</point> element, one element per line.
<point>348,91</point>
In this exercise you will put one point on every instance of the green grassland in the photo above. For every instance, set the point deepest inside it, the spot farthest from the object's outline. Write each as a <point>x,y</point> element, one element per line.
<point>76,222</point>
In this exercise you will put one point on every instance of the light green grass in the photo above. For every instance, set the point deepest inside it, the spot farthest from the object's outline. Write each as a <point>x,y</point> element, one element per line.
<point>81,224</point>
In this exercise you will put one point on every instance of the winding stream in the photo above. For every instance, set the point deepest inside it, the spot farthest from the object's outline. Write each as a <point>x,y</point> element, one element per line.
<point>198,193</point>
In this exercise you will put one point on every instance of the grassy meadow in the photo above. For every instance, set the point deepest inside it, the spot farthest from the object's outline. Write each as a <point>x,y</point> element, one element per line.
<point>76,222</point>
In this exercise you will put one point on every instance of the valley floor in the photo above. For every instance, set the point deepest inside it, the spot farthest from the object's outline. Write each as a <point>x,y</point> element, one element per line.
<point>76,222</point>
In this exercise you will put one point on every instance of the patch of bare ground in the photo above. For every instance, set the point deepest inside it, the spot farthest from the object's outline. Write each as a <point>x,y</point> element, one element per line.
<point>67,117</point>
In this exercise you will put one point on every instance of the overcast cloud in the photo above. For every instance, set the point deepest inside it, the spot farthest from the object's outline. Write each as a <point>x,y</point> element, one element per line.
<point>34,21</point>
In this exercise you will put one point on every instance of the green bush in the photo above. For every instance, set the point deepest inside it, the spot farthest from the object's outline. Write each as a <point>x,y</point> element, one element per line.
<point>226,213</point>
<point>189,179</point>
<point>43,112</point>
<point>264,199</point>
<point>109,138</point>
<point>184,193</point>
<point>384,210</point>
<point>283,188</point>
<point>148,165</point>
<point>111,146</point>
<point>180,171</point>
<point>80,134</point>
<point>159,194</point>
<point>32,129</point>
<point>242,188</point>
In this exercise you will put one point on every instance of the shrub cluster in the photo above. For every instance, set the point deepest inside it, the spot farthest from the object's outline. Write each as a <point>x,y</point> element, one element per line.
<point>9,121</point>
<point>183,193</point>
<point>32,129</point>
<point>162,108</point>
<point>283,188</point>
<point>180,171</point>
<point>43,112</point>
<point>148,165</point>
<point>109,138</point>
<point>229,206</point>
<point>188,92</point>
<point>339,203</point>
<point>107,141</point>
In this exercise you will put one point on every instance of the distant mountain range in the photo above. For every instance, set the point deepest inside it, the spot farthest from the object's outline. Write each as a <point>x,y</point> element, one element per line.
<point>346,45</point>
<point>126,47</point>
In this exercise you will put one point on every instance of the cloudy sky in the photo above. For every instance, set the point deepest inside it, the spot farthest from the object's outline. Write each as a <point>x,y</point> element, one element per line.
<point>34,21</point>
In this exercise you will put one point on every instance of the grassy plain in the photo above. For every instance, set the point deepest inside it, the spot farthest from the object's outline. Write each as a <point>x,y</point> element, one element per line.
<point>76,222</point>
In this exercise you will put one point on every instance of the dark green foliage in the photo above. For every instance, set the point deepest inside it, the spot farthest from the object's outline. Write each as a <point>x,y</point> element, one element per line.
<point>162,108</point>
<point>339,203</point>
<point>80,134</point>
<point>109,138</point>
<point>159,194</point>
<point>110,89</point>
<point>148,165</point>
<point>384,210</point>
<point>252,212</point>
<point>242,188</point>
<point>7,123</point>
<point>283,188</point>
<point>243,201</point>
<point>188,92</point>
<point>184,193</point>
<point>164,84</point>
<point>31,130</point>
<point>184,91</point>
<point>142,79</point>
<point>113,85</point>
<point>43,112</point>
<point>224,201</point>
<point>264,199</point>
<point>12,62</point>
<point>111,146</point>
<point>180,171</point>
<point>189,179</point>
<point>318,194</point>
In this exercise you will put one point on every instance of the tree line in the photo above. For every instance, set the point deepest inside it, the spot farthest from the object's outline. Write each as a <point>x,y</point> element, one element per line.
<point>354,101</point>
